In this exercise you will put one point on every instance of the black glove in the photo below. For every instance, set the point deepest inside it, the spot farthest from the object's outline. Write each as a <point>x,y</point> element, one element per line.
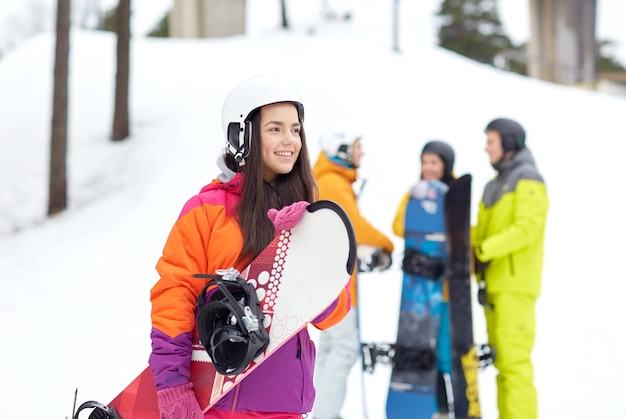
<point>382,260</point>
<point>479,266</point>
<point>372,258</point>
<point>482,295</point>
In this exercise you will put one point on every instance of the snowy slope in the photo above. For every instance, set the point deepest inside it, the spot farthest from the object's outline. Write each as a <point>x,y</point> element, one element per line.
<point>74,309</point>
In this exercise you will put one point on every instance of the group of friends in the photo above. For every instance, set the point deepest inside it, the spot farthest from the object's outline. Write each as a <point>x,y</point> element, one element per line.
<point>266,166</point>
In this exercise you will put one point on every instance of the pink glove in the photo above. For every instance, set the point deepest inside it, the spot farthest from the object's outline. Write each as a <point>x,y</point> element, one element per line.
<point>288,216</point>
<point>179,402</point>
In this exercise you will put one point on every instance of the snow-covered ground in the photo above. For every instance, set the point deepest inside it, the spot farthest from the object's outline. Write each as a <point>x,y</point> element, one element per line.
<point>74,306</point>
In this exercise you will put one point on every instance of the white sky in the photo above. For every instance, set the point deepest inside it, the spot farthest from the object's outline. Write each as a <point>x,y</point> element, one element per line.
<point>74,300</point>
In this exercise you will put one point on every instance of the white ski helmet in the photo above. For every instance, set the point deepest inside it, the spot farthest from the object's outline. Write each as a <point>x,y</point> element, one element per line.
<point>244,98</point>
<point>339,144</point>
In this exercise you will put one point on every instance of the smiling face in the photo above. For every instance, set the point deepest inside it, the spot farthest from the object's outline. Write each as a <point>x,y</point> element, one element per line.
<point>280,139</point>
<point>432,166</point>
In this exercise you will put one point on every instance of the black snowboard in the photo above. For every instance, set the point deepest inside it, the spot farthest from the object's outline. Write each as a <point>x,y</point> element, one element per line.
<point>465,359</point>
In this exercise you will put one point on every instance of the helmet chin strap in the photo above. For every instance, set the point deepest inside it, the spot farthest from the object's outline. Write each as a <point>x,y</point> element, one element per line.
<point>239,135</point>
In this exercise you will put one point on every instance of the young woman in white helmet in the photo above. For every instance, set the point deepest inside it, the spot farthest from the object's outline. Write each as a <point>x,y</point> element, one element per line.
<point>266,165</point>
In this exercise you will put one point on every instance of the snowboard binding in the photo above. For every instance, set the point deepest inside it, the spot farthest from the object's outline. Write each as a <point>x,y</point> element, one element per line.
<point>385,353</point>
<point>100,411</point>
<point>230,322</point>
<point>418,263</point>
<point>375,353</point>
<point>486,355</point>
<point>407,358</point>
<point>401,357</point>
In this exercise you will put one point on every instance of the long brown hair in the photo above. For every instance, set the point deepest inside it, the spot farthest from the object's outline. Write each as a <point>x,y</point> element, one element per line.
<point>258,196</point>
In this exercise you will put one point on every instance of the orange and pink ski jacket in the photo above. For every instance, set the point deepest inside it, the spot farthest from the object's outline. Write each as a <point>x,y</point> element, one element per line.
<point>207,237</point>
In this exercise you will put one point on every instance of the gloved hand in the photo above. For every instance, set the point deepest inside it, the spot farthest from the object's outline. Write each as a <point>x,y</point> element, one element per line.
<point>479,266</point>
<point>287,217</point>
<point>179,402</point>
<point>372,258</point>
<point>482,295</point>
<point>420,189</point>
<point>424,189</point>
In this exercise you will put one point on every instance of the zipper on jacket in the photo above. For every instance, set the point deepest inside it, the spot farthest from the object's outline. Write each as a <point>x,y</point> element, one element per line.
<point>299,351</point>
<point>302,370</point>
<point>511,264</point>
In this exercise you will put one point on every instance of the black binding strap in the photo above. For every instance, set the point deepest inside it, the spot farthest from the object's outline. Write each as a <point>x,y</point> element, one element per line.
<point>410,359</point>
<point>100,411</point>
<point>418,263</point>
<point>230,322</point>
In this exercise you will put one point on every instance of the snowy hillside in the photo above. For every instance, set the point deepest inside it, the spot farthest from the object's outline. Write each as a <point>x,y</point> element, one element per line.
<point>74,308</point>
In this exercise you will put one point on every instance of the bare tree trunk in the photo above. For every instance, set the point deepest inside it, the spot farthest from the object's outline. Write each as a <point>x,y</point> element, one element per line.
<point>57,189</point>
<point>120,117</point>
<point>562,43</point>
<point>283,14</point>
<point>396,26</point>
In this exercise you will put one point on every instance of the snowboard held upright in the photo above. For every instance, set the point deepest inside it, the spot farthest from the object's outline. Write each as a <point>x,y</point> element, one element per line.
<point>434,360</point>
<point>413,386</point>
<point>465,355</point>
<point>314,259</point>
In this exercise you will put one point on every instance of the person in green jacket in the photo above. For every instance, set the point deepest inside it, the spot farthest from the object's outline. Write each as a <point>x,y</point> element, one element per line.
<point>508,243</point>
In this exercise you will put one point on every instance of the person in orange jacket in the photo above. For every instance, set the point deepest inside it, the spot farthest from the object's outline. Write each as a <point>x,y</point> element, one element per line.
<point>265,167</point>
<point>339,347</point>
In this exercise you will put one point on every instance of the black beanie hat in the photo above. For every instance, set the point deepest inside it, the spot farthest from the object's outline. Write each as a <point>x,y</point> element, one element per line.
<point>511,132</point>
<point>445,153</point>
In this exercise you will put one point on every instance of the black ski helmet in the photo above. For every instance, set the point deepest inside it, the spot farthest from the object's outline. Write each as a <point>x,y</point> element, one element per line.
<point>511,132</point>
<point>445,153</point>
